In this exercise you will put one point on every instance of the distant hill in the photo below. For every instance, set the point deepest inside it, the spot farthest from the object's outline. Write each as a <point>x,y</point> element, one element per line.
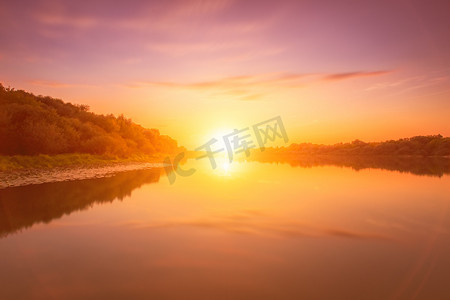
<point>431,145</point>
<point>32,124</point>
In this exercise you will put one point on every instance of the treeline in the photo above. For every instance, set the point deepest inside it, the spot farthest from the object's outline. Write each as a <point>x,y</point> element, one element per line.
<point>431,145</point>
<point>32,124</point>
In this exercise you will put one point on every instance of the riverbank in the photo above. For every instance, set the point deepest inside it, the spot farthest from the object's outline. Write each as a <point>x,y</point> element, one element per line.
<point>74,160</point>
<point>20,170</point>
<point>15,178</point>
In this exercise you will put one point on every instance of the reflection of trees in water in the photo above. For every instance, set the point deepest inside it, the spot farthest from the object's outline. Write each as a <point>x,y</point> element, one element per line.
<point>22,207</point>
<point>430,166</point>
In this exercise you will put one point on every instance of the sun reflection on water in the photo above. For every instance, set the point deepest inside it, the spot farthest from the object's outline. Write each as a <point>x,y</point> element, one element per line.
<point>224,167</point>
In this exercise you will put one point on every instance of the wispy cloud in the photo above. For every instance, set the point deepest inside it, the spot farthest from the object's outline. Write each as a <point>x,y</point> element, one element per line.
<point>184,48</point>
<point>350,75</point>
<point>391,84</point>
<point>200,7</point>
<point>253,53</point>
<point>173,28</point>
<point>82,22</point>
<point>150,16</point>
<point>250,87</point>
<point>278,79</point>
<point>439,80</point>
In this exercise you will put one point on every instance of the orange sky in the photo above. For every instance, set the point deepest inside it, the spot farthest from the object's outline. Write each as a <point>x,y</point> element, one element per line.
<point>333,70</point>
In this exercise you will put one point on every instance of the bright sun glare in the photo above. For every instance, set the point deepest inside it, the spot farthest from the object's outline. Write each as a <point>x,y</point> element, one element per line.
<point>226,166</point>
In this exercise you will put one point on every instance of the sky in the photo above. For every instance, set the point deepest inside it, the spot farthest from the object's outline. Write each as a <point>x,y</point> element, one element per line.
<point>334,71</point>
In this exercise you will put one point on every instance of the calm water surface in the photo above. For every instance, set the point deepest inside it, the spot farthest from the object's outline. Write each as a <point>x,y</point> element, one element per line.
<point>248,230</point>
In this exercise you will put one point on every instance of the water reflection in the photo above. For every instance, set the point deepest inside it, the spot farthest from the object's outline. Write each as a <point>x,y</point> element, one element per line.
<point>248,230</point>
<point>22,207</point>
<point>429,166</point>
<point>263,224</point>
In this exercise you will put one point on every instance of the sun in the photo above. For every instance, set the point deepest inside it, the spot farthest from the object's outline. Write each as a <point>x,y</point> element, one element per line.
<point>219,143</point>
<point>226,166</point>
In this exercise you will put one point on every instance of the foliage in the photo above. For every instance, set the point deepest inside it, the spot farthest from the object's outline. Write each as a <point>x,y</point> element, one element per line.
<point>431,145</point>
<point>31,125</point>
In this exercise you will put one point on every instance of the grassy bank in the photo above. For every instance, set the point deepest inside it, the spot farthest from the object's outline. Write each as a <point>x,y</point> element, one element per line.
<point>20,162</point>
